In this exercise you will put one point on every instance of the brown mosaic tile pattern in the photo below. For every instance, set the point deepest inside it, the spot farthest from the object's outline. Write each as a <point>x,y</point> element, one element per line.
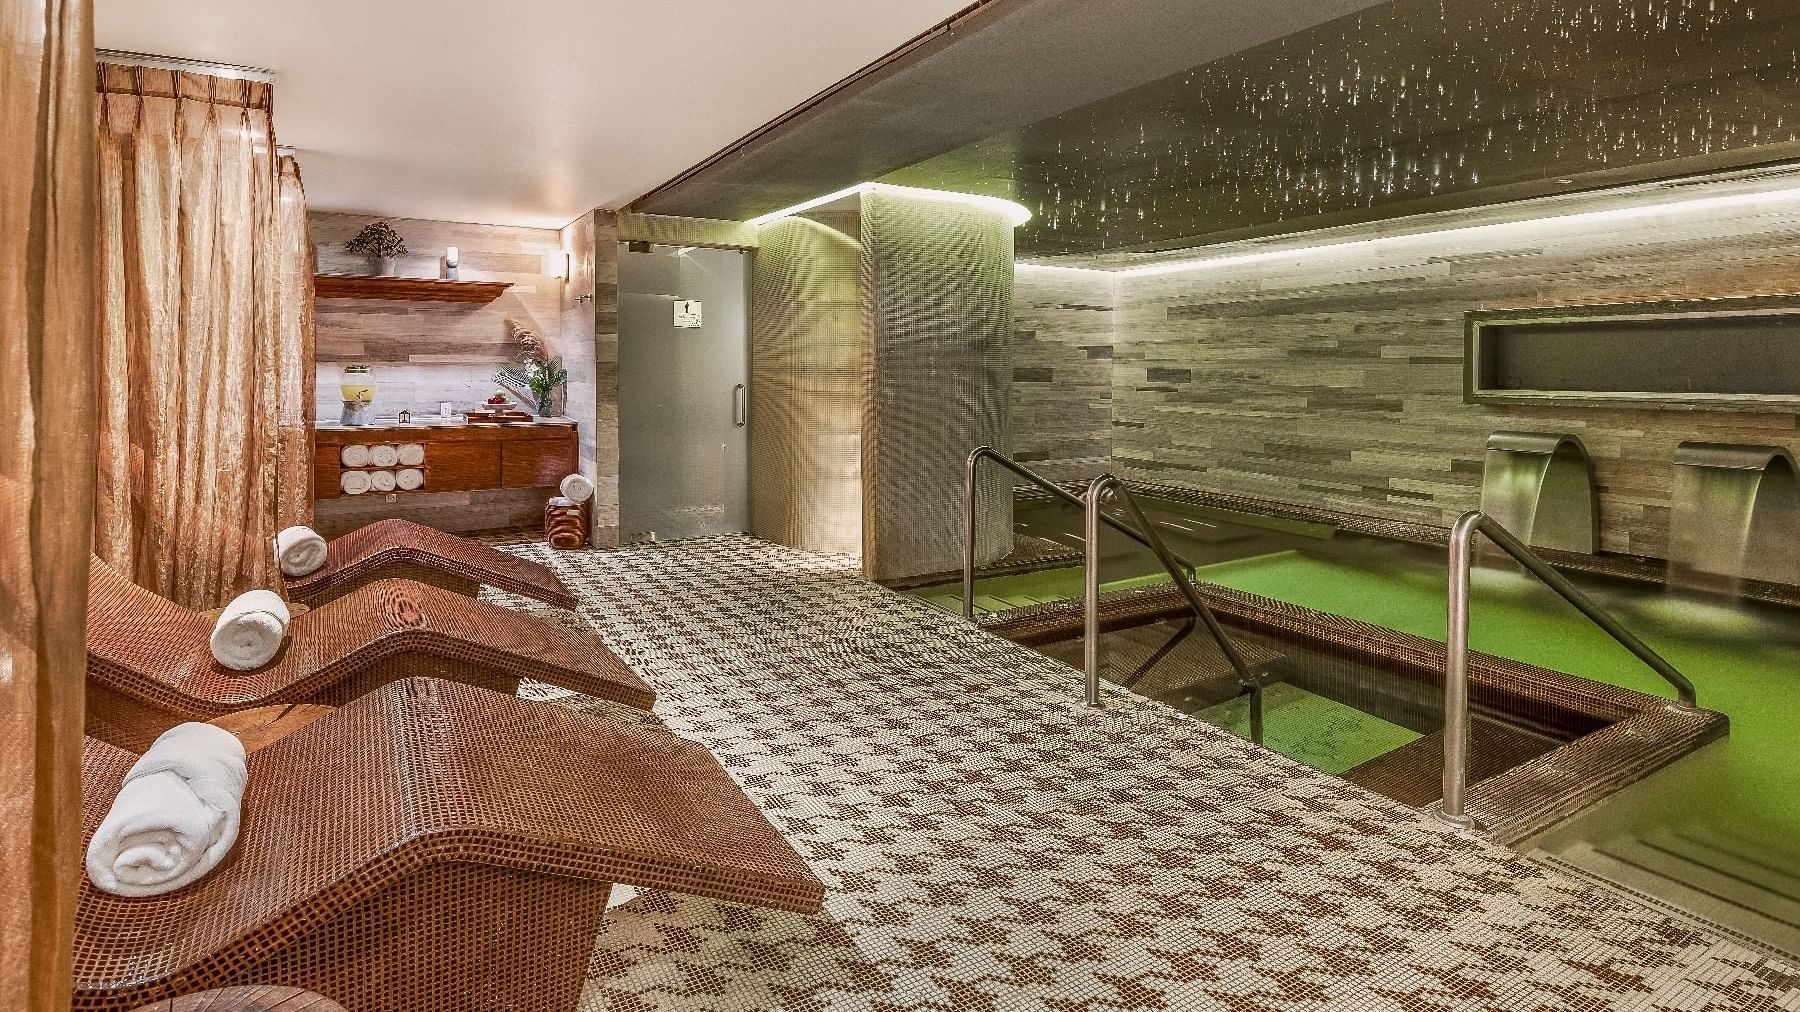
<point>988,844</point>
<point>401,549</point>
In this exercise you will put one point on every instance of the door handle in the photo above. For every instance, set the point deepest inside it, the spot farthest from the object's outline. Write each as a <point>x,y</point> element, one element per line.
<point>737,405</point>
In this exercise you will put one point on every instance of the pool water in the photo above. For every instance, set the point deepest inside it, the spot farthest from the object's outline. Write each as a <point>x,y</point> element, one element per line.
<point>1740,797</point>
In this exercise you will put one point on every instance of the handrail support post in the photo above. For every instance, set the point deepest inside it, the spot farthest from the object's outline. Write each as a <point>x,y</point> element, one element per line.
<point>1469,527</point>
<point>1090,595</point>
<point>1456,676</point>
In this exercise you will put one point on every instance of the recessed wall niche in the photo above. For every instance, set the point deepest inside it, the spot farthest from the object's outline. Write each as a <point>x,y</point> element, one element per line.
<point>1720,354</point>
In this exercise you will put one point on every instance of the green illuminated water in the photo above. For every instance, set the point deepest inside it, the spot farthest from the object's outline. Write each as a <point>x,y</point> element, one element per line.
<point>1744,660</point>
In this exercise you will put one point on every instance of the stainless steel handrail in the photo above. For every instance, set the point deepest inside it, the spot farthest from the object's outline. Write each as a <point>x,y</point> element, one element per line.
<point>1097,491</point>
<point>981,453</point>
<point>1456,660</point>
<point>1093,516</point>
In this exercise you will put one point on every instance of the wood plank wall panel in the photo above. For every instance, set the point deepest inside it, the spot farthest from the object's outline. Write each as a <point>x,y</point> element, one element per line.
<point>1062,387</point>
<point>605,312</point>
<point>1333,379</point>
<point>580,357</point>
<point>381,332</point>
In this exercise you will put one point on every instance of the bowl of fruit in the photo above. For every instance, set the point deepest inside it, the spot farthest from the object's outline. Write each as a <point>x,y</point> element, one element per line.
<point>498,410</point>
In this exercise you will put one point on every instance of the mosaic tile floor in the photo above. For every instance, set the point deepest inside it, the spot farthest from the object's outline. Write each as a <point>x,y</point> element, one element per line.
<point>987,843</point>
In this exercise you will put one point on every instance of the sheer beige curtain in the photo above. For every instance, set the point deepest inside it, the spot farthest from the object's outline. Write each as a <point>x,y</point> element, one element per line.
<point>46,481</point>
<point>294,352</point>
<point>200,359</point>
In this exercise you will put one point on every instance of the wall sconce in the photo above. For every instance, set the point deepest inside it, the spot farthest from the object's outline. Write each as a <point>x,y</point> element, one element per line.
<point>559,265</point>
<point>452,262</point>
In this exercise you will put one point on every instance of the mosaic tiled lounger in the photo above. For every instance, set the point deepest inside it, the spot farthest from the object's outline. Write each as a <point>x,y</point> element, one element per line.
<point>149,666</point>
<point>435,847</point>
<point>389,549</point>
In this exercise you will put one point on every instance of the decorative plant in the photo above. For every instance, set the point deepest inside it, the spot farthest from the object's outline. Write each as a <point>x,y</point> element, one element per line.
<point>377,239</point>
<point>538,374</point>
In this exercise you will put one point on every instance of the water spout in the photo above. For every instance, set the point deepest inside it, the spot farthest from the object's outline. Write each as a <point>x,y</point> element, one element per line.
<point>1736,516</point>
<point>1540,486</point>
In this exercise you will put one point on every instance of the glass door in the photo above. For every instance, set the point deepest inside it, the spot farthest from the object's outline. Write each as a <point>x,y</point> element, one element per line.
<point>683,401</point>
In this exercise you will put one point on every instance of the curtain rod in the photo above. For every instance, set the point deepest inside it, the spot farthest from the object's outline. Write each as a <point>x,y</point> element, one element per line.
<point>229,70</point>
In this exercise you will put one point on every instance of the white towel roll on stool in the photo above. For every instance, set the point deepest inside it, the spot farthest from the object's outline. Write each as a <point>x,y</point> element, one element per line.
<point>577,488</point>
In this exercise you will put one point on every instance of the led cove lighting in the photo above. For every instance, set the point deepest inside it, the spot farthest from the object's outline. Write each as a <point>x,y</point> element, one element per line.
<point>1576,218</point>
<point>1018,213</point>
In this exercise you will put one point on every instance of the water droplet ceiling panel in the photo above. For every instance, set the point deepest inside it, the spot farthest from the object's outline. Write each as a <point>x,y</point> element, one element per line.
<point>1408,106</point>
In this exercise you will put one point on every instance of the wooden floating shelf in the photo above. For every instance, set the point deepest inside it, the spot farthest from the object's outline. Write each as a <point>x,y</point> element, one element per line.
<point>360,286</point>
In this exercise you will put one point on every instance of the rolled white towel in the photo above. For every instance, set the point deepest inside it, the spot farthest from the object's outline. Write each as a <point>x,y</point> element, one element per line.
<point>299,551</point>
<point>354,482</point>
<point>354,455</point>
<point>577,488</point>
<point>408,479</point>
<point>381,481</point>
<point>175,817</point>
<point>249,631</point>
<point>384,455</point>
<point>410,454</point>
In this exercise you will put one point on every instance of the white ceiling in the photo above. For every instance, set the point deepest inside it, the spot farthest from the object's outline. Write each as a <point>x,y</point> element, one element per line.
<point>519,112</point>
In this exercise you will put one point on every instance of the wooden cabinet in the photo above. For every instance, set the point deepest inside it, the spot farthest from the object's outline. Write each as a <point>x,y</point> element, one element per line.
<point>531,463</point>
<point>460,458</point>
<point>461,466</point>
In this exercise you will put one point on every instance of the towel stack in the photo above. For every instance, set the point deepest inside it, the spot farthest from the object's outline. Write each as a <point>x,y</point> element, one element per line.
<point>382,467</point>
<point>249,631</point>
<point>176,815</point>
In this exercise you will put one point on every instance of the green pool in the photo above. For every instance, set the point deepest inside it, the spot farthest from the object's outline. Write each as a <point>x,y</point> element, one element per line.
<point>1740,797</point>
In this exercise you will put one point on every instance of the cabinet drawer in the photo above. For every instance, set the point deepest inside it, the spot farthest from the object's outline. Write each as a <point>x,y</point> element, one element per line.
<point>461,467</point>
<point>536,463</point>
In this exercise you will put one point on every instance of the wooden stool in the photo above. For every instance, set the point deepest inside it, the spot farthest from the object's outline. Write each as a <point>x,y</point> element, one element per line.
<point>257,998</point>
<point>565,523</point>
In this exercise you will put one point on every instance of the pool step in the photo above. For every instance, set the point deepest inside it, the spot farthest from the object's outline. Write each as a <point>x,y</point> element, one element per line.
<point>1187,672</point>
<point>1414,773</point>
<point>1702,871</point>
<point>1313,729</point>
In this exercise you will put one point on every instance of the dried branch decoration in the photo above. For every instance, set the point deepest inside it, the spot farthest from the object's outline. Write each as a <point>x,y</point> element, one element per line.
<point>538,373</point>
<point>531,346</point>
<point>377,239</point>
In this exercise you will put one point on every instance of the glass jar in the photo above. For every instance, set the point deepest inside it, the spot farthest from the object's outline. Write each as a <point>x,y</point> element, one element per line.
<point>358,384</point>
